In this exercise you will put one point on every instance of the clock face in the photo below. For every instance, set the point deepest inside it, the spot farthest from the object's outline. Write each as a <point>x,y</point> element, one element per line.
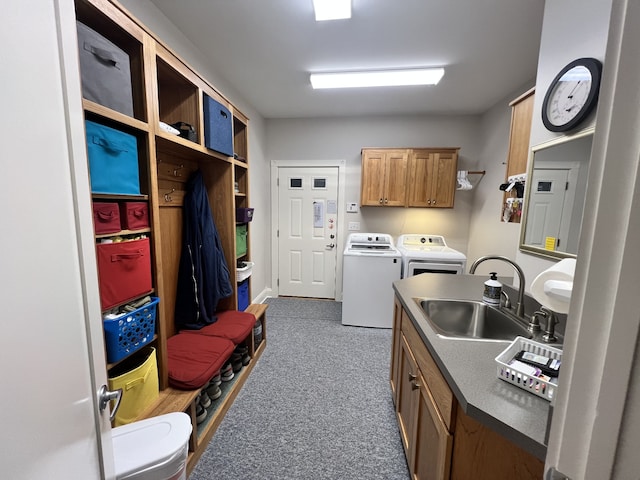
<point>569,96</point>
<point>572,95</point>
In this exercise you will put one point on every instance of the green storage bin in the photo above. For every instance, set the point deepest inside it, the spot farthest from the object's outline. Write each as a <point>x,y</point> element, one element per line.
<point>241,240</point>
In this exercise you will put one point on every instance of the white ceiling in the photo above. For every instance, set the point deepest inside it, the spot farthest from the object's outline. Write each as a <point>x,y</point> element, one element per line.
<point>267,48</point>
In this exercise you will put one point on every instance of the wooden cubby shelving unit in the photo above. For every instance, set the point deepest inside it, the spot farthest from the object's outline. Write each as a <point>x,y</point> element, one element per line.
<point>165,89</point>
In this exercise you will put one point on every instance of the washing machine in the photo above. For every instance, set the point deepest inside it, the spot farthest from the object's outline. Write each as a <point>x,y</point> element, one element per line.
<point>429,254</point>
<point>371,263</point>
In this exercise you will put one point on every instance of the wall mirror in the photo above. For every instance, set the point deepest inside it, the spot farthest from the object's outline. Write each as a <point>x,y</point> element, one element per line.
<point>554,195</point>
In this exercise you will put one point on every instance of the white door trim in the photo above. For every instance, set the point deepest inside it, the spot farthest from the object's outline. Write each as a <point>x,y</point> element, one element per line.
<point>275,165</point>
<point>596,422</point>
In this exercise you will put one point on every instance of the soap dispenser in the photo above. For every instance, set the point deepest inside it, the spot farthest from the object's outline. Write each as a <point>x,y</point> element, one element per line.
<point>492,290</point>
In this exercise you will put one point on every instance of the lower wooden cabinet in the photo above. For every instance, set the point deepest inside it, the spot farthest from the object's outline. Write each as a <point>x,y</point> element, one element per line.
<point>439,439</point>
<point>426,439</point>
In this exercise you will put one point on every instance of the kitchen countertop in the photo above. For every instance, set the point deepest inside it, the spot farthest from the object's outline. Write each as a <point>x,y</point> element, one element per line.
<point>470,368</point>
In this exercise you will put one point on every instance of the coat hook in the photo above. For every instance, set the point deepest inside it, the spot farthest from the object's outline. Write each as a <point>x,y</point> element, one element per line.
<point>167,196</point>
<point>175,170</point>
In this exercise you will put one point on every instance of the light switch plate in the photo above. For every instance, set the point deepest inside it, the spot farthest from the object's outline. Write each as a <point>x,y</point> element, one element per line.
<point>354,226</point>
<point>352,207</point>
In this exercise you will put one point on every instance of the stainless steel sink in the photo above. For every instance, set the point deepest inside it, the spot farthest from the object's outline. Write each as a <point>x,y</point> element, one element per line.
<point>470,320</point>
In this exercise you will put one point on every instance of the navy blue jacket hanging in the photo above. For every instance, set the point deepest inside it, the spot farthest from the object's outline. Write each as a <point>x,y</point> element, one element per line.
<point>203,275</point>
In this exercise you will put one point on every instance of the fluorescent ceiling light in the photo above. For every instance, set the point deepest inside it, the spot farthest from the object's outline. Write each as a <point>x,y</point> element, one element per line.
<point>382,78</point>
<point>332,9</point>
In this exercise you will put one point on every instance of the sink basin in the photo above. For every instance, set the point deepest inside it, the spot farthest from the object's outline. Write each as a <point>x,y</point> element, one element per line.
<point>470,320</point>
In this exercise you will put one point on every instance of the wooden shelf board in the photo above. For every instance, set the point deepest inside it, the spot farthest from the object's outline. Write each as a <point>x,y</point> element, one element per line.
<point>114,115</point>
<point>123,232</point>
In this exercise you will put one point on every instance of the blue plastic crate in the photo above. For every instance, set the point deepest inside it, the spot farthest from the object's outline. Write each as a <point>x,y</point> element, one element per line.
<point>130,332</point>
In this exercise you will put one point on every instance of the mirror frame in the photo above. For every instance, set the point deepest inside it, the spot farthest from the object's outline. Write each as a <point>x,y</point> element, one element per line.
<point>554,254</point>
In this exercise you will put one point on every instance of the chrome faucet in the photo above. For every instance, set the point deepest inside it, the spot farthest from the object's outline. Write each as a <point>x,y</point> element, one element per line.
<point>520,304</point>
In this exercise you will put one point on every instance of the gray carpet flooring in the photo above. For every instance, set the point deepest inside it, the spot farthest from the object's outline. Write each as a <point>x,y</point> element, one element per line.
<point>316,406</point>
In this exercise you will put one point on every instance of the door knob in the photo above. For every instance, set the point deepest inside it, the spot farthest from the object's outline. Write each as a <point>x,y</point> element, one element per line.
<point>331,245</point>
<point>105,396</point>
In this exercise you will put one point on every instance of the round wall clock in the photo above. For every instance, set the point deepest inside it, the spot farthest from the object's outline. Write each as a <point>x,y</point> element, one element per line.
<point>572,95</point>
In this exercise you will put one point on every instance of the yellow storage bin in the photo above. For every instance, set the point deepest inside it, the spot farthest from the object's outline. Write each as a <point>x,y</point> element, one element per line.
<point>137,376</point>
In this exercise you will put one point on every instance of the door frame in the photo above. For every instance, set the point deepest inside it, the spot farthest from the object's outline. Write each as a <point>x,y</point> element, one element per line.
<point>275,216</point>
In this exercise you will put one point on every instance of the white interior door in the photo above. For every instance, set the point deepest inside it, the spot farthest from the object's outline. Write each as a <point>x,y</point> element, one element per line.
<point>546,203</point>
<point>307,231</point>
<point>51,344</point>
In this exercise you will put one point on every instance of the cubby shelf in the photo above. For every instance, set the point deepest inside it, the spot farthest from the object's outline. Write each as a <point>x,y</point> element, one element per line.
<point>166,89</point>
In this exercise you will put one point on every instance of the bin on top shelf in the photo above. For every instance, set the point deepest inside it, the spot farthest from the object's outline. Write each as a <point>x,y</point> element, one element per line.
<point>105,71</point>
<point>218,132</point>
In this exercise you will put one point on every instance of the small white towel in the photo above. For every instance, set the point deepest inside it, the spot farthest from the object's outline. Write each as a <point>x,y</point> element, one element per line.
<point>463,180</point>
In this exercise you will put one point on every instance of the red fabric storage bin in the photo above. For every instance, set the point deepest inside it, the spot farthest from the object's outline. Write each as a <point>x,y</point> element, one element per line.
<point>124,271</point>
<point>106,217</point>
<point>134,215</point>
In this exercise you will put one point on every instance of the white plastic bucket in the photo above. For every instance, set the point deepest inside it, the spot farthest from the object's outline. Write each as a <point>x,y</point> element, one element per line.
<point>153,449</point>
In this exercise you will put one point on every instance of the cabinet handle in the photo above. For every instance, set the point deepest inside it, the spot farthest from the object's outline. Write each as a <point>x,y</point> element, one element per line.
<point>434,202</point>
<point>386,201</point>
<point>429,202</point>
<point>380,201</point>
<point>412,377</point>
<point>415,386</point>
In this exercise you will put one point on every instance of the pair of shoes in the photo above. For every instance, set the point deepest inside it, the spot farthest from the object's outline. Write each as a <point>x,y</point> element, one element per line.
<point>243,350</point>
<point>204,400</point>
<point>201,413</point>
<point>213,391</point>
<point>226,373</point>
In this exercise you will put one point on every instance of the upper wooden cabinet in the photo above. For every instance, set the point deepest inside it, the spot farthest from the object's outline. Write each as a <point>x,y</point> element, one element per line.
<point>384,174</point>
<point>432,181</point>
<point>406,177</point>
<point>521,115</point>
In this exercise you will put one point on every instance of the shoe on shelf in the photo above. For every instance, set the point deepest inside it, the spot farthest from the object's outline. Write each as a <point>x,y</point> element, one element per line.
<point>236,362</point>
<point>215,380</point>
<point>201,413</point>
<point>205,401</point>
<point>243,352</point>
<point>226,373</point>
<point>214,392</point>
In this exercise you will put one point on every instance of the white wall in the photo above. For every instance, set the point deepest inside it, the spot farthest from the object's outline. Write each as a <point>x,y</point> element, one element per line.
<point>150,16</point>
<point>487,233</point>
<point>343,138</point>
<point>562,41</point>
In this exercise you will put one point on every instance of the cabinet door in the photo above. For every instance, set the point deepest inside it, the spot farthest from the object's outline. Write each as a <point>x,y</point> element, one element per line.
<point>443,183</point>
<point>395,349</point>
<point>432,180</point>
<point>421,168</point>
<point>405,403</point>
<point>432,442</point>
<point>373,172</point>
<point>395,185</point>
<point>521,114</point>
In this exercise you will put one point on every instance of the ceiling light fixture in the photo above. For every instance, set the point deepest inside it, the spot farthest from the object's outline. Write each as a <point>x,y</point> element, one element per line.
<point>382,78</point>
<point>332,9</point>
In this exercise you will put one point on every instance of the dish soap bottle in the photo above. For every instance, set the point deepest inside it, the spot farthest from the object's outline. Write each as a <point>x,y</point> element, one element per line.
<point>492,290</point>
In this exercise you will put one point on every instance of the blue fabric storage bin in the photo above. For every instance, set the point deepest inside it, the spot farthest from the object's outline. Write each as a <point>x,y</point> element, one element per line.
<point>113,160</point>
<point>243,295</point>
<point>218,133</point>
